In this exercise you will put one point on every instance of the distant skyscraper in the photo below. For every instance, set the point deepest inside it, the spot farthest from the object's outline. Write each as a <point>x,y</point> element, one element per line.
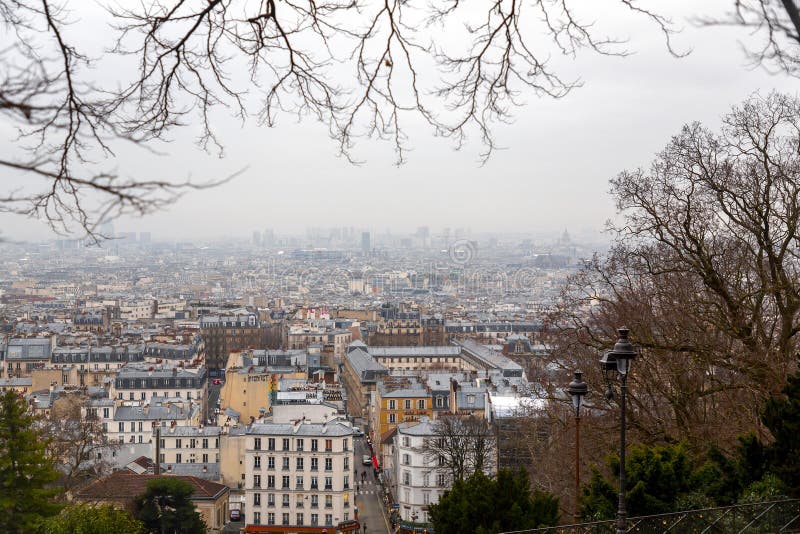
<point>144,237</point>
<point>366,246</point>
<point>257,238</point>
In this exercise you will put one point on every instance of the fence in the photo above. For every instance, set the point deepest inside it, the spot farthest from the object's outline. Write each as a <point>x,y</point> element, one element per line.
<point>769,517</point>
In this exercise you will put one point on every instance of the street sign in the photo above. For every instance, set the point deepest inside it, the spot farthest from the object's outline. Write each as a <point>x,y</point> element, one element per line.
<point>395,506</point>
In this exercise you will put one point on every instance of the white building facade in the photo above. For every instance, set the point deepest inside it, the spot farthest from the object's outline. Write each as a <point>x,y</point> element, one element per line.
<point>300,474</point>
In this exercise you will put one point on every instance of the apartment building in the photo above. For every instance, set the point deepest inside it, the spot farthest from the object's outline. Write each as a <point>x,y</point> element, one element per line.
<point>190,445</point>
<point>299,476</point>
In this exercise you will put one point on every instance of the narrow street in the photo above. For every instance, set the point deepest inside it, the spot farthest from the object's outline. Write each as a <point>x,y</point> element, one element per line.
<point>369,495</point>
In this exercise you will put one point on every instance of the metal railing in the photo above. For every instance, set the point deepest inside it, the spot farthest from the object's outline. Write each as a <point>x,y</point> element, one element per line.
<point>770,517</point>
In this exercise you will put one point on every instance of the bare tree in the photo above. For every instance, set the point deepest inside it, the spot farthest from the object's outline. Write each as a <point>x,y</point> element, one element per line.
<point>356,67</point>
<point>461,446</point>
<point>78,441</point>
<point>778,22</point>
<point>364,69</point>
<point>704,273</point>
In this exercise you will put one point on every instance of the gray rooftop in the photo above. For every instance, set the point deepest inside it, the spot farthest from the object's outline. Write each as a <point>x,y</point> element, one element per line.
<point>334,429</point>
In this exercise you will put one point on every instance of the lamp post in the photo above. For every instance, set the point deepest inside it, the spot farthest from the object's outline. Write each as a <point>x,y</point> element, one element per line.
<point>616,365</point>
<point>577,389</point>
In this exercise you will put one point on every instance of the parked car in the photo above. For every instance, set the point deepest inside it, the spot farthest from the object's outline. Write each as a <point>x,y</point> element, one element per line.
<point>366,459</point>
<point>236,515</point>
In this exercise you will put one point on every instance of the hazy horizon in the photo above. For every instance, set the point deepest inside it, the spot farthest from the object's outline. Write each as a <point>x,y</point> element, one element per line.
<point>552,174</point>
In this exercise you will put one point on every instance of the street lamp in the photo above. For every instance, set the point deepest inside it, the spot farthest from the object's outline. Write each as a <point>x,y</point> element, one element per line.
<point>616,365</point>
<point>577,389</point>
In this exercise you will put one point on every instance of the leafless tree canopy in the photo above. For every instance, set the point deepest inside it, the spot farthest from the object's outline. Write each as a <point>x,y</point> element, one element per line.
<point>363,68</point>
<point>78,442</point>
<point>461,447</point>
<point>704,273</point>
<point>777,22</point>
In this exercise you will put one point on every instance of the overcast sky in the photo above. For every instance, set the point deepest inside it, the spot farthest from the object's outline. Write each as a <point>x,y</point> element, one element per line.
<point>553,173</point>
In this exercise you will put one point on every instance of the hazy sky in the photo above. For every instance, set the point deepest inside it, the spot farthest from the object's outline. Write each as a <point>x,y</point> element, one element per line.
<point>552,174</point>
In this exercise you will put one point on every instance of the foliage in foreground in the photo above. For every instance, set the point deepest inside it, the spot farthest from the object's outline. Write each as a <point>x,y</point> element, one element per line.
<point>166,506</point>
<point>26,473</point>
<point>87,519</point>
<point>666,478</point>
<point>481,504</point>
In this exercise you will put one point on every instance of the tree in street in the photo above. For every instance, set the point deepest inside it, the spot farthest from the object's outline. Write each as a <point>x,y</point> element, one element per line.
<point>166,508</point>
<point>484,505</point>
<point>88,519</point>
<point>461,446</point>
<point>26,473</point>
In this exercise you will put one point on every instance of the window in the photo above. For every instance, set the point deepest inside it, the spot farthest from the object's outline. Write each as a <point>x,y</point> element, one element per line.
<point>257,462</point>
<point>442,460</point>
<point>392,418</point>
<point>271,462</point>
<point>299,482</point>
<point>441,480</point>
<point>328,464</point>
<point>285,503</point>
<point>328,445</point>
<point>470,399</point>
<point>256,499</point>
<point>285,482</point>
<point>178,458</point>
<point>256,518</point>
<point>392,405</point>
<point>314,483</point>
<point>314,464</point>
<point>286,444</point>
<point>133,426</point>
<point>406,441</point>
<point>314,445</point>
<point>440,402</point>
<point>257,444</point>
<point>270,518</point>
<point>270,499</point>
<point>345,445</point>
<point>299,464</point>
<point>346,482</point>
<point>408,404</point>
<point>121,427</point>
<point>314,519</point>
<point>299,444</point>
<point>285,519</point>
<point>193,443</point>
<point>271,444</point>
<point>130,395</point>
<point>256,481</point>
<point>328,483</point>
<point>286,464</point>
<point>406,459</point>
<point>421,404</point>
<point>299,521</point>
<point>314,502</point>
<point>178,444</point>
<point>205,458</point>
<point>346,463</point>
<point>346,500</point>
<point>406,478</point>
<point>205,443</point>
<point>105,413</point>
<point>271,481</point>
<point>328,501</point>
<point>328,520</point>
<point>426,497</point>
